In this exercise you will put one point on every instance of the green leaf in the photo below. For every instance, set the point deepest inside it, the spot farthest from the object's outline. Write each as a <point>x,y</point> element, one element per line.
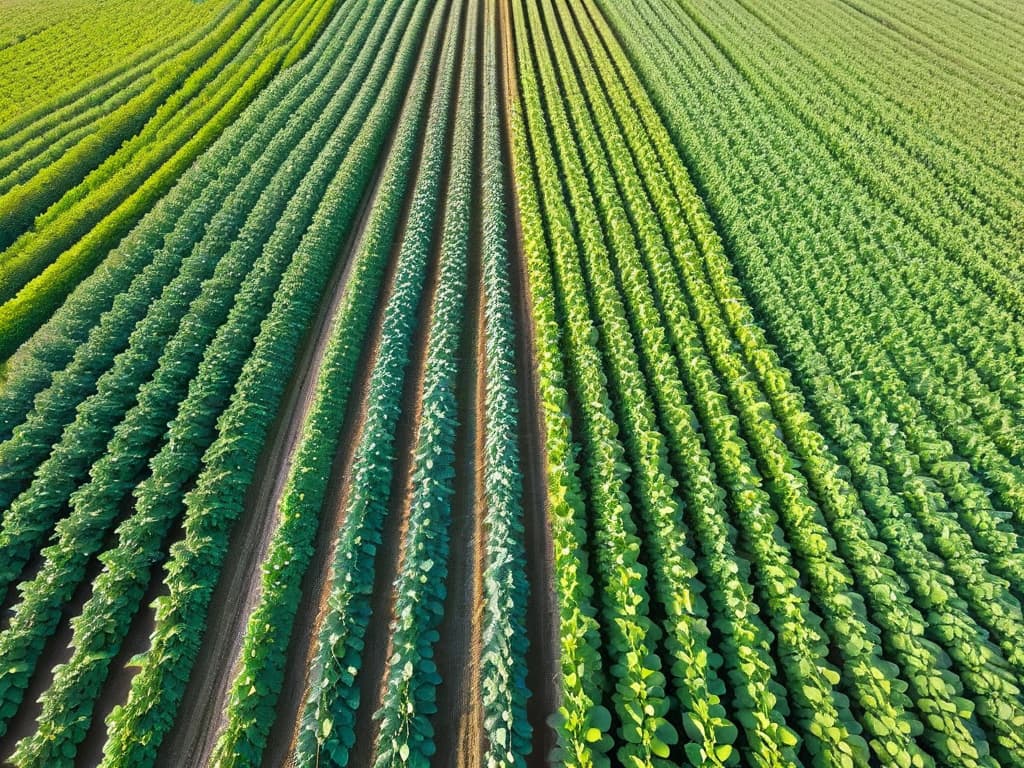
<point>665,732</point>
<point>659,748</point>
<point>600,718</point>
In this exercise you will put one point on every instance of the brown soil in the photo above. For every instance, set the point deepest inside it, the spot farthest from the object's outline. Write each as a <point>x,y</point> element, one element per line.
<point>201,714</point>
<point>119,679</point>
<point>542,620</point>
<point>458,724</point>
<point>57,651</point>
<point>316,585</point>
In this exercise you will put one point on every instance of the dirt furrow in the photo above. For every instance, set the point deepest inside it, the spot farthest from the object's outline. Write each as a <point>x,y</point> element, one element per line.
<point>317,583</point>
<point>542,621</point>
<point>201,715</point>
<point>458,724</point>
<point>373,674</point>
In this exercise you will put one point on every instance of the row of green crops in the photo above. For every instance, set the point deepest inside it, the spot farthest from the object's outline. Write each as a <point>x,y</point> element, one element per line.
<point>632,247</point>
<point>250,709</point>
<point>587,290</point>
<point>505,644</point>
<point>53,55</point>
<point>132,422</point>
<point>229,463</point>
<point>179,85</point>
<point>327,730</point>
<point>639,699</point>
<point>957,191</point>
<point>39,136</point>
<point>581,721</point>
<point>818,536</point>
<point>161,255</point>
<point>745,642</point>
<point>772,277</point>
<point>114,473</point>
<point>84,440</point>
<point>916,398</point>
<point>405,735</point>
<point>645,325</point>
<point>96,191</point>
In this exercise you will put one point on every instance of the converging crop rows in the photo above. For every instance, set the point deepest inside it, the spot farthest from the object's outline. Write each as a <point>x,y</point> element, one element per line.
<point>493,383</point>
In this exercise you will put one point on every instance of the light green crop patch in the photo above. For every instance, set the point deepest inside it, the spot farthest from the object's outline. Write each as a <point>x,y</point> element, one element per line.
<point>48,49</point>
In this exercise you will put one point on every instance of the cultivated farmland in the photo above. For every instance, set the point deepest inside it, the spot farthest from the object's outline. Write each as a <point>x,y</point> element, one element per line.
<point>493,383</point>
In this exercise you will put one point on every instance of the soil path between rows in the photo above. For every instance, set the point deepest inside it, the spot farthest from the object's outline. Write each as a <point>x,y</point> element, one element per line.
<point>378,648</point>
<point>458,723</point>
<point>317,583</point>
<point>542,618</point>
<point>200,718</point>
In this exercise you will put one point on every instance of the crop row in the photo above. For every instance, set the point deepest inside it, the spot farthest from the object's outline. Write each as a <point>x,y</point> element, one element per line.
<point>40,136</point>
<point>84,439</point>
<point>81,339</point>
<point>899,413</point>
<point>119,182</point>
<point>251,706</point>
<point>95,504</point>
<point>816,557</point>
<point>504,645</point>
<point>747,657</point>
<point>405,734</point>
<point>95,41</point>
<point>834,605</point>
<point>581,721</point>
<point>327,731</point>
<point>215,502</point>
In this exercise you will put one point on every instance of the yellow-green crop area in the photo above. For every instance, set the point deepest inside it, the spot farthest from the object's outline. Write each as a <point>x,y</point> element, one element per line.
<point>512,383</point>
<point>48,50</point>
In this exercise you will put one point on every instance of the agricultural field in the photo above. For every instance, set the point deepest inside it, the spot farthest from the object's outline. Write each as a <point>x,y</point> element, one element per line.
<point>505,383</point>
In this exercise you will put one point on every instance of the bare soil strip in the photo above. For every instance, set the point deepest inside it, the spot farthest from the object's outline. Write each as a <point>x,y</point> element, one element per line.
<point>317,583</point>
<point>458,724</point>
<point>201,714</point>
<point>377,650</point>
<point>119,679</point>
<point>542,622</point>
<point>57,651</point>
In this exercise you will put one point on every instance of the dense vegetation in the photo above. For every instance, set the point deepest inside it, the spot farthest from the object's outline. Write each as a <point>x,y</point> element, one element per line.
<point>480,382</point>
